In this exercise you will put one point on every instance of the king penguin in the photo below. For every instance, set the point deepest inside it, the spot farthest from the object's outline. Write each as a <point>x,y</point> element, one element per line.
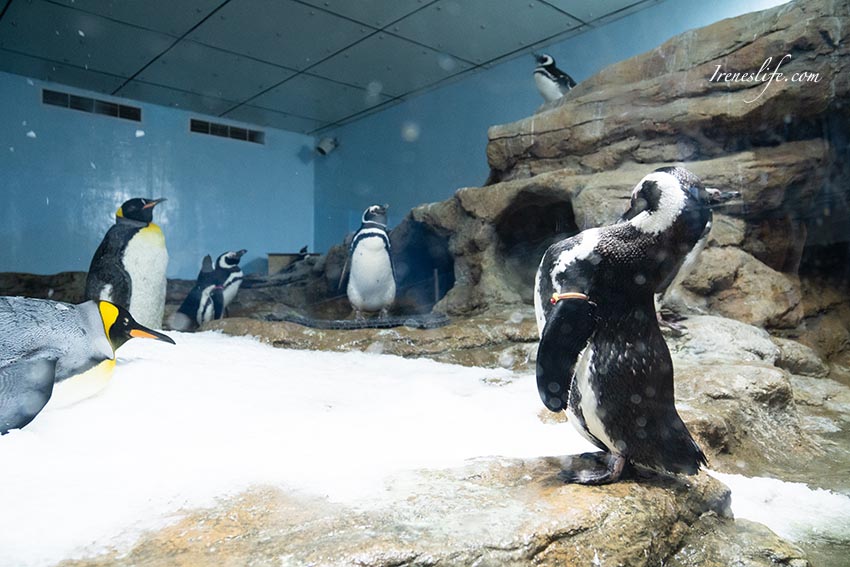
<point>552,83</point>
<point>47,346</point>
<point>602,356</point>
<point>128,268</point>
<point>371,283</point>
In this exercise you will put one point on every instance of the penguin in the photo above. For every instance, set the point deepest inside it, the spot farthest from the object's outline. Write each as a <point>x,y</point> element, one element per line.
<point>46,346</point>
<point>214,290</point>
<point>371,283</point>
<point>205,301</point>
<point>229,275</point>
<point>602,356</point>
<point>128,268</point>
<point>552,83</point>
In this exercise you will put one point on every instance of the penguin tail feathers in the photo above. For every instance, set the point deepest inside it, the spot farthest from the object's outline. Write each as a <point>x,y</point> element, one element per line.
<point>681,454</point>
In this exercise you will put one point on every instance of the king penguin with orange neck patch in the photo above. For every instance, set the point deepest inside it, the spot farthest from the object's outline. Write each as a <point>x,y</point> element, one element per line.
<point>58,352</point>
<point>128,268</point>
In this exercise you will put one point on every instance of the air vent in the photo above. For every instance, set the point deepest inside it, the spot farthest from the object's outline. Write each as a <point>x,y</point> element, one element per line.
<point>94,106</point>
<point>225,131</point>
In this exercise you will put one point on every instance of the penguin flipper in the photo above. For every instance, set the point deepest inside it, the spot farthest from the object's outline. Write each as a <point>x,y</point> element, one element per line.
<point>567,330</point>
<point>25,388</point>
<point>217,296</point>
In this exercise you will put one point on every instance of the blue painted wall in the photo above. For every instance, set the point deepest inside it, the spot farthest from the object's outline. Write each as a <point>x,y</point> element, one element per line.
<point>424,149</point>
<point>63,173</point>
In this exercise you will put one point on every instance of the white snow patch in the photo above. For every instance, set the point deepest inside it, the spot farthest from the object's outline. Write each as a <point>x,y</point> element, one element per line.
<point>791,509</point>
<point>180,426</point>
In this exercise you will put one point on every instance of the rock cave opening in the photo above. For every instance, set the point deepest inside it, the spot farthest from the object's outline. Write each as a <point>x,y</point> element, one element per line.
<point>424,267</point>
<point>525,230</point>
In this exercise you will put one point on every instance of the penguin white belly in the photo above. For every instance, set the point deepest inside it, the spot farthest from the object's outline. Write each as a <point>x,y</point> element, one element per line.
<point>230,288</point>
<point>548,88</point>
<point>146,260</point>
<point>371,286</point>
<point>82,386</point>
<point>589,404</point>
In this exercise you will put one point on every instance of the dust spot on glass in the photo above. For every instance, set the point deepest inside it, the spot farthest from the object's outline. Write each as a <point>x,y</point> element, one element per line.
<point>506,360</point>
<point>31,134</point>
<point>375,348</point>
<point>410,131</point>
<point>81,33</point>
<point>636,399</point>
<point>640,279</point>
<point>93,166</point>
<point>446,62</point>
<point>140,133</point>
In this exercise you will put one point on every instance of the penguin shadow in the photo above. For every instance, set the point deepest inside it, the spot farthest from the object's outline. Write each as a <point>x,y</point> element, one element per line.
<point>576,469</point>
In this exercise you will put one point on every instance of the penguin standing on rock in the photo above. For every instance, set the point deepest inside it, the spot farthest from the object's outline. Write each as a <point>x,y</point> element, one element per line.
<point>213,292</point>
<point>371,283</point>
<point>48,348</point>
<point>602,357</point>
<point>552,83</point>
<point>128,268</point>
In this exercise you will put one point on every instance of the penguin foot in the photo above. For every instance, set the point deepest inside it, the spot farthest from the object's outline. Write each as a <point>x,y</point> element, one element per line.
<point>593,469</point>
<point>384,313</point>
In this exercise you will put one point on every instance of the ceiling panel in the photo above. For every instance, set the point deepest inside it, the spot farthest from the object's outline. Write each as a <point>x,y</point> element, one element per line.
<point>319,98</point>
<point>58,73</point>
<point>377,13</point>
<point>390,65</point>
<point>282,120</point>
<point>174,98</point>
<point>481,30</point>
<point>591,11</point>
<point>69,36</point>
<point>194,67</point>
<point>279,31</point>
<point>167,16</point>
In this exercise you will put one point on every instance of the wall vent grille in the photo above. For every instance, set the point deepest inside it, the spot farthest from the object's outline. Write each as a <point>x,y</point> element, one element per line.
<point>225,131</point>
<point>91,105</point>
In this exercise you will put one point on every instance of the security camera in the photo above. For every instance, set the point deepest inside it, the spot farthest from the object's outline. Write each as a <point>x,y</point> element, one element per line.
<point>327,145</point>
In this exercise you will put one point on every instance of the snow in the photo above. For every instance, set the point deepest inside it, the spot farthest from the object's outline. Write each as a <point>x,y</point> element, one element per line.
<point>182,426</point>
<point>791,509</point>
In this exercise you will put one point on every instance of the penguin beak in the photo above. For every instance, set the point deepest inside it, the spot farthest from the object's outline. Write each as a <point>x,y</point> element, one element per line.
<point>153,203</point>
<point>240,253</point>
<point>141,332</point>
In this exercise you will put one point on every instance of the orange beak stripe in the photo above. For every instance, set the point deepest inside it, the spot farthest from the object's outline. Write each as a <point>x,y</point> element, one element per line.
<point>556,297</point>
<point>139,334</point>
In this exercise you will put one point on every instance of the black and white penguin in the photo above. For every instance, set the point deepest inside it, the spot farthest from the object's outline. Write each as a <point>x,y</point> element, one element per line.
<point>128,268</point>
<point>371,283</point>
<point>215,288</point>
<point>52,349</point>
<point>552,83</point>
<point>229,274</point>
<point>602,357</point>
<point>205,301</point>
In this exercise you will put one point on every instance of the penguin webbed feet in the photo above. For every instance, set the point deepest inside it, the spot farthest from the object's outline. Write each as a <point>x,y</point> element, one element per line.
<point>593,468</point>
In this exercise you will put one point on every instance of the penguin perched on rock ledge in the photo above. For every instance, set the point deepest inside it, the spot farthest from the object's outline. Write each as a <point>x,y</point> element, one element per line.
<point>602,356</point>
<point>551,82</point>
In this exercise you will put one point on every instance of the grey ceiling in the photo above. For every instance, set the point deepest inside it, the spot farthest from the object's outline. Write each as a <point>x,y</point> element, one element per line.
<point>301,65</point>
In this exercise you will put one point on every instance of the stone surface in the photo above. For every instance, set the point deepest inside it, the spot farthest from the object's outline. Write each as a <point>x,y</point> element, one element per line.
<point>798,358</point>
<point>490,512</point>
